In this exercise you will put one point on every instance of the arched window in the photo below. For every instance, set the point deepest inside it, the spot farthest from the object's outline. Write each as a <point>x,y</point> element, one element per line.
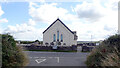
<point>54,38</point>
<point>57,35</point>
<point>61,38</point>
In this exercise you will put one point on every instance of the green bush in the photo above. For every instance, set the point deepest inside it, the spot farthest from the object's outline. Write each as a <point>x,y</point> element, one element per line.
<point>106,54</point>
<point>29,42</point>
<point>26,42</point>
<point>12,55</point>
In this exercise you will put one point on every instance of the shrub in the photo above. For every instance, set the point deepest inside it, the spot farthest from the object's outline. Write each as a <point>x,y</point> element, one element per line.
<point>26,42</point>
<point>106,54</point>
<point>111,59</point>
<point>12,55</point>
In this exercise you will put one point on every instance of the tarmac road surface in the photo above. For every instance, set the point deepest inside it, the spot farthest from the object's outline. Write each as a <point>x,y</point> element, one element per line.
<point>37,58</point>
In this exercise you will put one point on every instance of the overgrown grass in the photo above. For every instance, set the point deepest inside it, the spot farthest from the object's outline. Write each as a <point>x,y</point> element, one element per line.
<point>107,54</point>
<point>12,55</point>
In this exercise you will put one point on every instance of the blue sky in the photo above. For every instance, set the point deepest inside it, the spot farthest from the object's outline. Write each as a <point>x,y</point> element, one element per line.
<point>15,12</point>
<point>27,20</point>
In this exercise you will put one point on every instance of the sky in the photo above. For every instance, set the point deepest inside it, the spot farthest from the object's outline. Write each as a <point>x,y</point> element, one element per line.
<point>92,19</point>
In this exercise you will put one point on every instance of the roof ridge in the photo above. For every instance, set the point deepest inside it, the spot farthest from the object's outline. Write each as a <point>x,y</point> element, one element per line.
<point>61,22</point>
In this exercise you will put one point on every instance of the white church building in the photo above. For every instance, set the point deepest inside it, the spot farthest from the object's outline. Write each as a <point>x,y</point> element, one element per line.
<point>58,34</point>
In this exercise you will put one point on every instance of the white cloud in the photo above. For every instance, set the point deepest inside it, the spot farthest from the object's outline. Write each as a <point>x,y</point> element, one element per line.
<point>112,4</point>
<point>29,35</point>
<point>1,11</point>
<point>21,28</point>
<point>96,19</point>
<point>25,31</point>
<point>89,11</point>
<point>31,22</point>
<point>3,20</point>
<point>46,12</point>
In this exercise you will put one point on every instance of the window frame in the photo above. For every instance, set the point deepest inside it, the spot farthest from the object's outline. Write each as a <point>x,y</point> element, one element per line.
<point>57,35</point>
<point>61,37</point>
<point>54,37</point>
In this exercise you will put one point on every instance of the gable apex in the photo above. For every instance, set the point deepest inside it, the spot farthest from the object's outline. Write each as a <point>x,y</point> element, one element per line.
<point>61,23</point>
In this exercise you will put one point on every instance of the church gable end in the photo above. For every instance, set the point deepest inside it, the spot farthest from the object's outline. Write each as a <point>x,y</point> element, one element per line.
<point>60,22</point>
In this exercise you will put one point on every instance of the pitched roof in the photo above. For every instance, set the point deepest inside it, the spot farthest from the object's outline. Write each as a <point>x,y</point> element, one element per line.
<point>55,22</point>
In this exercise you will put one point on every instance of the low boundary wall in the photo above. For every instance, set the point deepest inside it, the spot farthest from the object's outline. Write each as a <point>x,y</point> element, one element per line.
<point>59,48</point>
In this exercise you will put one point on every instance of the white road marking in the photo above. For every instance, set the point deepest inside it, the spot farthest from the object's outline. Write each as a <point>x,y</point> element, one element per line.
<point>44,59</point>
<point>40,60</point>
<point>58,59</point>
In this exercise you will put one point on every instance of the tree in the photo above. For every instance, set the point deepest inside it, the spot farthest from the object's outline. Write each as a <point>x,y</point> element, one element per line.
<point>36,40</point>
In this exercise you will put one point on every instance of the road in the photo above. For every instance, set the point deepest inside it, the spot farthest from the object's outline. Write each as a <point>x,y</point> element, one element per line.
<point>37,58</point>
